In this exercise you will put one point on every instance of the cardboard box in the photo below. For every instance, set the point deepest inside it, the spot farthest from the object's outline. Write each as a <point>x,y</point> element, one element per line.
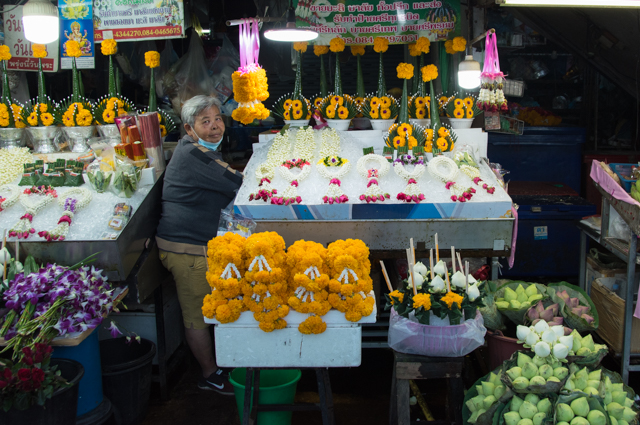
<point>611,313</point>
<point>595,270</point>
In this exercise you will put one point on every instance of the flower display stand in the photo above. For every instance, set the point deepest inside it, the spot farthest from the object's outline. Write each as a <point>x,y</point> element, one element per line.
<point>408,367</point>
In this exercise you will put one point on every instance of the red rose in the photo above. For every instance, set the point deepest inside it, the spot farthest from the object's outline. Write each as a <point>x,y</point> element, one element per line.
<point>7,374</point>
<point>37,375</point>
<point>27,351</point>
<point>26,386</point>
<point>3,384</point>
<point>24,374</point>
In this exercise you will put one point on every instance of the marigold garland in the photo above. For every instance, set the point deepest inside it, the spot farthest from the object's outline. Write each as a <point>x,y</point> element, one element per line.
<point>250,88</point>
<point>336,45</point>
<point>413,50</point>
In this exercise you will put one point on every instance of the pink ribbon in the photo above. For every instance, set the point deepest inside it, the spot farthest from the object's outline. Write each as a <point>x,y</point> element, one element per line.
<point>491,67</point>
<point>249,42</point>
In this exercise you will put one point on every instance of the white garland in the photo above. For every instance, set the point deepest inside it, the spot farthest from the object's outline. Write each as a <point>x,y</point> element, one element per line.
<point>290,177</point>
<point>412,192</point>
<point>342,170</point>
<point>12,163</point>
<point>448,166</point>
<point>418,171</point>
<point>22,228</point>
<point>330,145</point>
<point>470,171</point>
<point>278,152</point>
<point>72,201</point>
<point>373,192</point>
<point>12,197</point>
<point>305,144</point>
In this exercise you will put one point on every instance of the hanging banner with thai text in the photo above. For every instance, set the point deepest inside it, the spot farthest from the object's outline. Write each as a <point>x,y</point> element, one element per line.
<point>76,24</point>
<point>360,21</point>
<point>133,20</point>
<point>21,54</point>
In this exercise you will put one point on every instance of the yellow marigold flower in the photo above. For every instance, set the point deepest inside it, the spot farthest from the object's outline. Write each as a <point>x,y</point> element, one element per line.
<point>318,102</point>
<point>16,108</point>
<point>458,103</point>
<point>43,107</point>
<point>5,55</point>
<point>4,122</point>
<point>423,44</point>
<point>297,114</point>
<point>380,44</point>
<point>331,112</point>
<point>19,123</point>
<point>396,294</point>
<point>300,46</point>
<point>67,119</point>
<point>385,102</point>
<point>359,101</point>
<point>337,100</point>
<point>374,113</point>
<point>3,107</point>
<point>459,44</point>
<point>163,130</point>
<point>84,118</point>
<point>469,113</point>
<point>73,48</point>
<point>448,47</point>
<point>428,133</point>
<point>32,119</point>
<point>39,50</point>
<point>429,73</point>
<point>452,297</point>
<point>286,114</point>
<point>405,130</point>
<point>320,50</point>
<point>108,116</point>
<point>405,71</point>
<point>428,147</point>
<point>385,113</point>
<point>343,113</point>
<point>4,115</point>
<point>443,100</point>
<point>398,142</point>
<point>118,102</point>
<point>287,104</point>
<point>296,104</point>
<point>109,47</point>
<point>336,45</point>
<point>413,50</point>
<point>152,59</point>
<point>422,300</point>
<point>421,113</point>
<point>443,132</point>
<point>468,102</point>
<point>441,143</point>
<point>419,101</point>
<point>76,105</point>
<point>121,112</point>
<point>46,118</point>
<point>357,49</point>
<point>374,103</point>
<point>458,113</point>
<point>413,142</point>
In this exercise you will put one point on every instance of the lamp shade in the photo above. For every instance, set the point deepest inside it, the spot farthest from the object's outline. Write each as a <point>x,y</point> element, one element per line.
<point>41,22</point>
<point>469,73</point>
<point>291,34</point>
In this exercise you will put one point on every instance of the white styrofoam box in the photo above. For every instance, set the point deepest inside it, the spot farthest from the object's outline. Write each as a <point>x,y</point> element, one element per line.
<point>337,346</point>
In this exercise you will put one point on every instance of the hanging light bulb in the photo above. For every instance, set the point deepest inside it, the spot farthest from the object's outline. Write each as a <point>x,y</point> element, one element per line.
<point>469,73</point>
<point>290,32</point>
<point>40,21</point>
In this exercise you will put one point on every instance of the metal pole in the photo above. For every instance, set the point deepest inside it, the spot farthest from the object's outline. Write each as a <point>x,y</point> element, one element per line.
<point>628,307</point>
<point>583,262</point>
<point>235,22</point>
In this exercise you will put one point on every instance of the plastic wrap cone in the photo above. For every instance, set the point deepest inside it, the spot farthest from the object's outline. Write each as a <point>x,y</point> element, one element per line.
<point>382,86</point>
<point>297,88</point>
<point>153,105</point>
<point>360,81</point>
<point>338,82</point>
<point>403,116</point>
<point>324,90</point>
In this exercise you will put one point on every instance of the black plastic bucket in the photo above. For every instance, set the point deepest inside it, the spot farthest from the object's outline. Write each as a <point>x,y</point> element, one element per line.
<point>60,409</point>
<point>126,377</point>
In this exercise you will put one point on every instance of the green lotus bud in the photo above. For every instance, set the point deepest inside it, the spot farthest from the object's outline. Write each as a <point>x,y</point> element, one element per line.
<point>527,410</point>
<point>622,422</point>
<point>629,415</point>
<point>512,418</point>
<point>499,391</point>
<point>613,420</point>
<point>514,372</point>
<point>617,387</point>
<point>564,413</point>
<point>554,364</point>
<point>619,397</point>
<point>520,289</point>
<point>596,375</point>
<point>529,370</point>
<point>532,398</point>
<point>473,418</point>
<point>580,406</point>
<point>562,423</point>
<point>608,398</point>
<point>531,290</point>
<point>487,388</point>
<point>569,385</point>
<point>598,347</point>
<point>516,402</point>
<point>579,420</point>
<point>520,383</point>
<point>523,359</point>
<point>560,372</point>
<point>587,341</point>
<point>545,371</point>
<point>615,409</point>
<point>583,373</point>
<point>494,378</point>
<point>580,383</point>
<point>509,294</point>
<point>607,384</point>
<point>593,383</point>
<point>553,379</point>
<point>478,401</point>
<point>596,417</point>
<point>539,361</point>
<point>479,390</point>
<point>538,418</point>
<point>502,305</point>
<point>522,298</point>
<point>537,380</point>
<point>591,391</point>
<point>584,351</point>
<point>514,304</point>
<point>488,401</point>
<point>525,304</point>
<point>525,421</point>
<point>577,340</point>
<point>534,298</point>
<point>628,402</point>
<point>471,406</point>
<point>544,406</point>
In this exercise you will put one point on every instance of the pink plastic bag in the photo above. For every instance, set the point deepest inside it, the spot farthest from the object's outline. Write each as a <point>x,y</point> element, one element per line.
<point>410,337</point>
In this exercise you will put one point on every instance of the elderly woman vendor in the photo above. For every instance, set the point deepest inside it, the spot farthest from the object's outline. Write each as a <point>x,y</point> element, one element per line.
<point>197,185</point>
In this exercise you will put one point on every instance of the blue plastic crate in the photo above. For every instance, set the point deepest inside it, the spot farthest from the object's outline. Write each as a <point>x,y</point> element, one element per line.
<point>624,173</point>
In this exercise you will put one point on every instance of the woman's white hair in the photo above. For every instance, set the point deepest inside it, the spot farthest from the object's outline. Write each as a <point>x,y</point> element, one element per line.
<point>196,105</point>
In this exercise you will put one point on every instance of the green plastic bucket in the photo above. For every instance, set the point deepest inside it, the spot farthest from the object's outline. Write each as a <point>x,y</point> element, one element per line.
<point>277,386</point>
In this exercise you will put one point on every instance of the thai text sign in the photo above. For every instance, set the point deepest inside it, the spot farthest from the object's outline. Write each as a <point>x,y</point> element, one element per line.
<point>130,20</point>
<point>21,54</point>
<point>360,21</point>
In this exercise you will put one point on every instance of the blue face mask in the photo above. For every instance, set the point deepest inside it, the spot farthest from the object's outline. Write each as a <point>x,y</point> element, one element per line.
<point>208,145</point>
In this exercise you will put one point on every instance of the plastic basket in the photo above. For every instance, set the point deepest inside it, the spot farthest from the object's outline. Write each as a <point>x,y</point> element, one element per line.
<point>513,88</point>
<point>624,172</point>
